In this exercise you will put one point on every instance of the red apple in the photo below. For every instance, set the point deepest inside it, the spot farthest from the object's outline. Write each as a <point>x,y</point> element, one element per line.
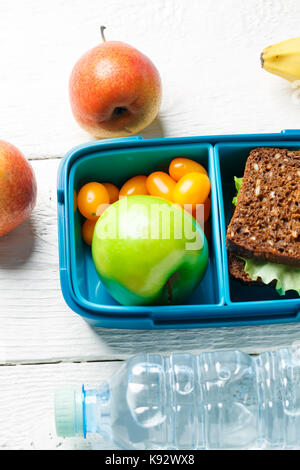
<point>115,90</point>
<point>17,187</point>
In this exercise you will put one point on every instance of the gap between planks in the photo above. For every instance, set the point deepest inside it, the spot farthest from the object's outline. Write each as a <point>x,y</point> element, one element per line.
<point>52,157</point>
<point>91,361</point>
<point>47,363</point>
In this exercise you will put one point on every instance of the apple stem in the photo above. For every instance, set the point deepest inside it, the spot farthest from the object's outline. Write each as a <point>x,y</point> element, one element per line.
<point>102,28</point>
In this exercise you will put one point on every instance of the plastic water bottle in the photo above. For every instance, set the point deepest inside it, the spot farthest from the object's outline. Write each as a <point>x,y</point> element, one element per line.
<point>214,400</point>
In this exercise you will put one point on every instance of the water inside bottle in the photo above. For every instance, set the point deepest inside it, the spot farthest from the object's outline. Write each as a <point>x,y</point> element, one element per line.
<point>188,402</point>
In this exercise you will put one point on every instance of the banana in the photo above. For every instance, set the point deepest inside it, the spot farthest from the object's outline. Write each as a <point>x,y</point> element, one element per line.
<point>283,59</point>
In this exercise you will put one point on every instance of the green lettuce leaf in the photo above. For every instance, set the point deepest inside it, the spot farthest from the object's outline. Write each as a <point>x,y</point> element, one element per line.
<point>287,277</point>
<point>238,185</point>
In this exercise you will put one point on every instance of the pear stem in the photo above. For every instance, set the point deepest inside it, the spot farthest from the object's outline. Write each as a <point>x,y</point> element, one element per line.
<point>102,28</point>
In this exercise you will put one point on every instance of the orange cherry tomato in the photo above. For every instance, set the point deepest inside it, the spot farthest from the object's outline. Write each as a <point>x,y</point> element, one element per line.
<point>199,215</point>
<point>88,231</point>
<point>134,187</point>
<point>92,200</point>
<point>113,192</point>
<point>74,201</point>
<point>193,189</point>
<point>207,209</point>
<point>207,230</point>
<point>160,184</point>
<point>181,166</point>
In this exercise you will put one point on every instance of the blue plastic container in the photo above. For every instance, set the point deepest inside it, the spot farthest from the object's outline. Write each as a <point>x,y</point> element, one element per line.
<point>218,301</point>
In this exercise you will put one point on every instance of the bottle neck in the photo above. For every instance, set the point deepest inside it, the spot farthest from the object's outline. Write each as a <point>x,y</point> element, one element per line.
<point>96,411</point>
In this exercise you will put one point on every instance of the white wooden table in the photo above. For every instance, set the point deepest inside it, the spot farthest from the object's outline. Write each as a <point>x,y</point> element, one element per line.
<point>208,54</point>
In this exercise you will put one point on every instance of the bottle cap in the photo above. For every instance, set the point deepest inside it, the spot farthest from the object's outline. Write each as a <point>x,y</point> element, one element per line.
<point>69,412</point>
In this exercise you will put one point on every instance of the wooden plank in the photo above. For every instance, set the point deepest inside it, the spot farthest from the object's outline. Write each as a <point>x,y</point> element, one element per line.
<point>37,326</point>
<point>27,404</point>
<point>207,54</point>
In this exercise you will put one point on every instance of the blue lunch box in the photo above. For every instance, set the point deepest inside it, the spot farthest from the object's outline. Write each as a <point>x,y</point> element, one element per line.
<point>218,301</point>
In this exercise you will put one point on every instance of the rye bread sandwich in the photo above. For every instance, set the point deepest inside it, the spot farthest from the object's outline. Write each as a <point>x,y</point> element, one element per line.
<point>263,237</point>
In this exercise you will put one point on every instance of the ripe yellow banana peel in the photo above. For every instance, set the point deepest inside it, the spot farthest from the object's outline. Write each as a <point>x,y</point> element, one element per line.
<point>283,59</point>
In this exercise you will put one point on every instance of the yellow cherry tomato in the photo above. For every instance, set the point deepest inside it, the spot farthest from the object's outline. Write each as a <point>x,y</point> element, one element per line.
<point>113,192</point>
<point>181,166</point>
<point>88,231</point>
<point>192,188</point>
<point>136,186</point>
<point>160,184</point>
<point>92,200</point>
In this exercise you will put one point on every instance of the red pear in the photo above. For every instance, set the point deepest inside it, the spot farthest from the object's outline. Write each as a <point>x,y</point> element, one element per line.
<point>17,187</point>
<point>115,90</point>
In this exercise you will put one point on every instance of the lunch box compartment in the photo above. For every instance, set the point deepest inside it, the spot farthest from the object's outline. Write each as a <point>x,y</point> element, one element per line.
<point>230,161</point>
<point>116,166</point>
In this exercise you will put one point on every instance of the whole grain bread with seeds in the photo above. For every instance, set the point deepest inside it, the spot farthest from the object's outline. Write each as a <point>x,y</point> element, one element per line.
<point>266,222</point>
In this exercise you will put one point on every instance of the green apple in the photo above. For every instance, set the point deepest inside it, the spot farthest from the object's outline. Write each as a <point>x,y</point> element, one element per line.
<point>148,251</point>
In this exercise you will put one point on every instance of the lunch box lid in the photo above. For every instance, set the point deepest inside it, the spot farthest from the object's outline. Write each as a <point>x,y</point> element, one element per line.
<point>216,315</point>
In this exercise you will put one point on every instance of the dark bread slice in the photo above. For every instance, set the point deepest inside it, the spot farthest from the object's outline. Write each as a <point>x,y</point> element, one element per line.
<point>236,270</point>
<point>266,221</point>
